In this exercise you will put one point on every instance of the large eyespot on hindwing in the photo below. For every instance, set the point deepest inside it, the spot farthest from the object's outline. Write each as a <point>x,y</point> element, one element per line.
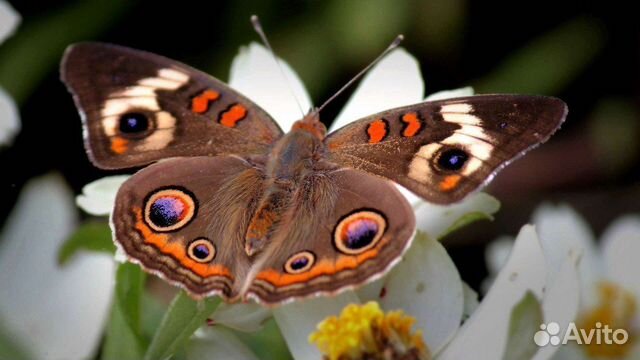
<point>201,250</point>
<point>359,231</point>
<point>300,262</point>
<point>169,209</point>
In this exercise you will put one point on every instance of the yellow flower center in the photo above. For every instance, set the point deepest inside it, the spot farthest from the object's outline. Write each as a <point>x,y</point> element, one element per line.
<point>365,332</point>
<point>616,309</point>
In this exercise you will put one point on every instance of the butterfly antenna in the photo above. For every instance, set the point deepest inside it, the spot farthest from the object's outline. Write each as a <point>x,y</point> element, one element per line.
<point>255,21</point>
<point>394,44</point>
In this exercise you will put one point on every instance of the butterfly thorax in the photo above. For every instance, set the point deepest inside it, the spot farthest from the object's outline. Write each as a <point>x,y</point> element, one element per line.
<point>292,159</point>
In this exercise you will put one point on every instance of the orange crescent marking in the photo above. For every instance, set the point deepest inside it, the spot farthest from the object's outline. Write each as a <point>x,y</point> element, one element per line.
<point>119,145</point>
<point>450,182</point>
<point>413,124</point>
<point>231,117</point>
<point>200,103</point>
<point>377,130</point>
<point>324,267</point>
<point>178,252</point>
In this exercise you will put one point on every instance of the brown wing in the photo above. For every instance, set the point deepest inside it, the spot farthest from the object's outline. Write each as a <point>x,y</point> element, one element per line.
<point>180,219</point>
<point>138,107</point>
<point>443,150</point>
<point>344,228</point>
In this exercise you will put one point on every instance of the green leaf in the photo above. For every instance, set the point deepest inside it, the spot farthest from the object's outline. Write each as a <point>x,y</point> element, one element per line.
<point>36,48</point>
<point>526,317</point>
<point>92,236</point>
<point>124,339</point>
<point>10,346</point>
<point>549,63</point>
<point>184,316</point>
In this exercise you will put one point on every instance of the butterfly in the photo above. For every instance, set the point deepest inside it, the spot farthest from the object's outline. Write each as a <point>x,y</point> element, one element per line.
<point>232,206</point>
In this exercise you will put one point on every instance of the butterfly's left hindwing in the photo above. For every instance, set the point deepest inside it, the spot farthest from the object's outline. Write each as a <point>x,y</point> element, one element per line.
<point>139,107</point>
<point>443,150</point>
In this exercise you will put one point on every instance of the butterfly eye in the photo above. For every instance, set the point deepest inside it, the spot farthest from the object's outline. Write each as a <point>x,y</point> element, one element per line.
<point>201,250</point>
<point>359,231</point>
<point>452,159</point>
<point>133,123</point>
<point>300,262</point>
<point>169,209</point>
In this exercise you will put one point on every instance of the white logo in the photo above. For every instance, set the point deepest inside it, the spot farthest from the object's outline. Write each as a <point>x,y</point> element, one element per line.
<point>550,334</point>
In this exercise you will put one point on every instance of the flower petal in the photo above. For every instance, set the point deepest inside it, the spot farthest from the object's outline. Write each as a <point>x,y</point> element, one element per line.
<point>620,248</point>
<point>438,220</point>
<point>524,271</point>
<point>561,300</point>
<point>427,286</point>
<point>448,94</point>
<point>217,343</point>
<point>59,313</point>
<point>564,233</point>
<point>9,118</point>
<point>395,81</point>
<point>471,301</point>
<point>247,317</point>
<point>9,20</point>
<point>99,196</point>
<point>299,319</point>
<point>255,74</point>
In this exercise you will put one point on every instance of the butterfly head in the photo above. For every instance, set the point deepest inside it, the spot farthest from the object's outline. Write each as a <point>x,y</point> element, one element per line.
<point>312,124</point>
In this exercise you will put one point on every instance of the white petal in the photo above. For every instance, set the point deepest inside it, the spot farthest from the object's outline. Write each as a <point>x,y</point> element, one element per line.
<point>299,319</point>
<point>436,220</point>
<point>246,317</point>
<point>621,248</point>
<point>256,75</point>
<point>217,343</point>
<point>9,118</point>
<point>59,313</point>
<point>9,20</point>
<point>525,270</point>
<point>497,253</point>
<point>564,233</point>
<point>449,94</point>
<point>427,286</point>
<point>561,301</point>
<point>395,81</point>
<point>99,196</point>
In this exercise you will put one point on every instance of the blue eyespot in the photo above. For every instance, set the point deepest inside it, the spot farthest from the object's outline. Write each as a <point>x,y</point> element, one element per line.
<point>359,231</point>
<point>133,123</point>
<point>452,159</point>
<point>300,262</point>
<point>169,209</point>
<point>201,250</point>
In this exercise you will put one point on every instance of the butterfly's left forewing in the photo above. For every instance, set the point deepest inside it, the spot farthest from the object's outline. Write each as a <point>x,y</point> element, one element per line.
<point>139,107</point>
<point>443,150</point>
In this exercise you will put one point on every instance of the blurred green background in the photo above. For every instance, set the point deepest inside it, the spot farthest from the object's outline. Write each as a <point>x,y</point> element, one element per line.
<point>583,52</point>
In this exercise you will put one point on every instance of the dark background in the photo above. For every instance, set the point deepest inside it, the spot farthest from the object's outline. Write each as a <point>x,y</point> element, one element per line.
<point>586,53</point>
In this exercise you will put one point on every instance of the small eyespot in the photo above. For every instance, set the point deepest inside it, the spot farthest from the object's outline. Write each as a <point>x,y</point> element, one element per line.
<point>201,250</point>
<point>169,209</point>
<point>133,124</point>
<point>452,159</point>
<point>359,232</point>
<point>300,262</point>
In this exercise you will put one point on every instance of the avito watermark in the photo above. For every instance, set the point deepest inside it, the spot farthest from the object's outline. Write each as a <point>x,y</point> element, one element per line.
<point>549,334</point>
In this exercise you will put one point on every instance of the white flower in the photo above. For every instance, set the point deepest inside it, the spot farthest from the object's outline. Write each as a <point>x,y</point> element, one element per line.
<point>52,311</point>
<point>9,116</point>
<point>607,282</point>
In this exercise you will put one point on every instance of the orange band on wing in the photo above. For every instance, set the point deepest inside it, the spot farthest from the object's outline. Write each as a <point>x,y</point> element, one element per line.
<point>119,145</point>
<point>413,124</point>
<point>178,251</point>
<point>230,117</point>
<point>323,267</point>
<point>450,182</point>
<point>377,131</point>
<point>200,103</point>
